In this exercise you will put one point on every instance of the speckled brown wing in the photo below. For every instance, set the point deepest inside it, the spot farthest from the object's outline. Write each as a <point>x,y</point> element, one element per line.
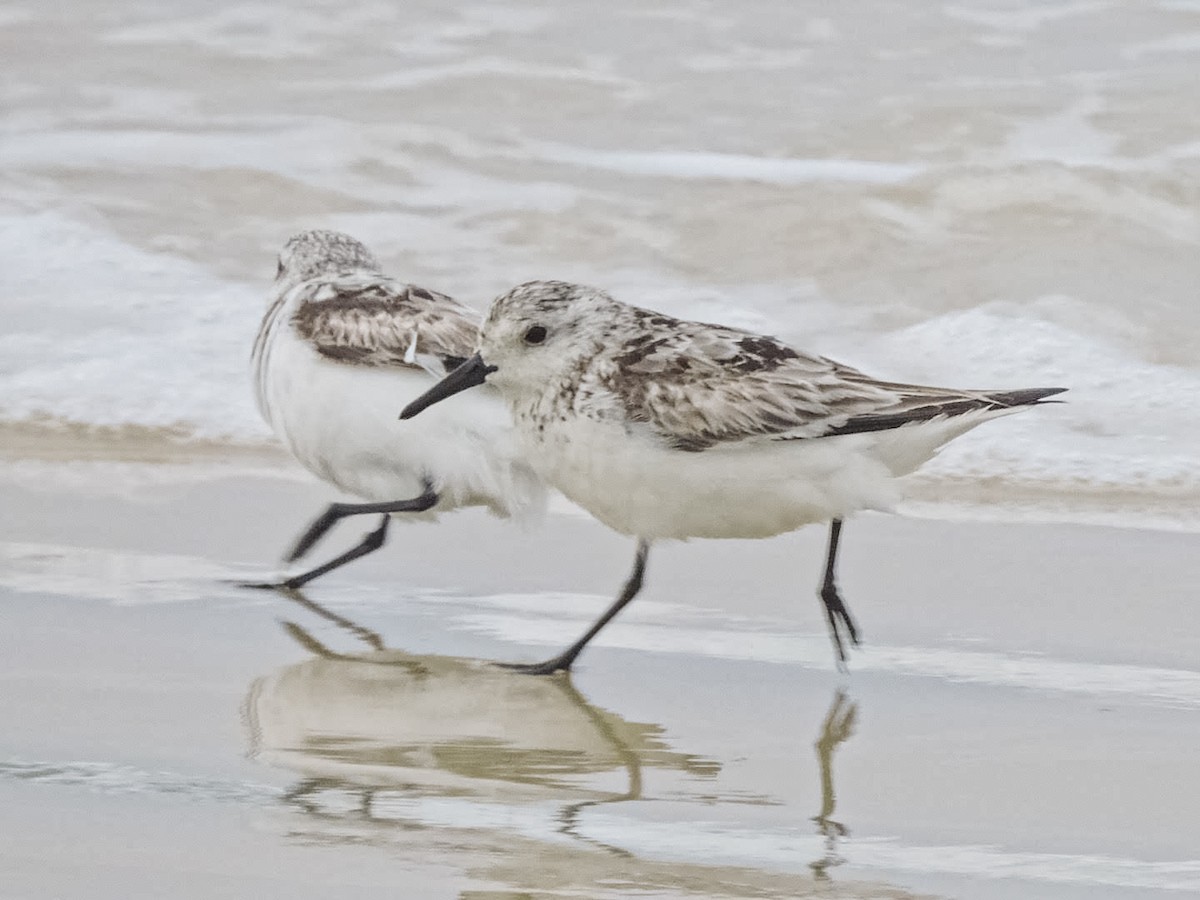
<point>371,320</point>
<point>699,386</point>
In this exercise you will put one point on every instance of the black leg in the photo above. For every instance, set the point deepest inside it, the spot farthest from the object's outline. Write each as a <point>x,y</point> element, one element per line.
<point>338,511</point>
<point>371,541</point>
<point>836,610</point>
<point>562,662</point>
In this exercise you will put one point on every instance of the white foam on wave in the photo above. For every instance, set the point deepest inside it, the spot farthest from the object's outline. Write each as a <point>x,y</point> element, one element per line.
<point>258,30</point>
<point>1176,43</point>
<point>693,165</point>
<point>101,333</point>
<point>1124,421</point>
<point>1026,19</point>
<point>489,67</point>
<point>790,849</point>
<point>314,147</point>
<point>557,623</point>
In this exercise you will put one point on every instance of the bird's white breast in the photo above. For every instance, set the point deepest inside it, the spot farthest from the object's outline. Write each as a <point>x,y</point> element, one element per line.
<point>341,422</point>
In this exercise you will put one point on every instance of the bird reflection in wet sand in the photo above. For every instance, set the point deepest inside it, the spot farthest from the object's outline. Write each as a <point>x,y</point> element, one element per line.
<point>448,760</point>
<point>837,728</point>
<point>393,727</point>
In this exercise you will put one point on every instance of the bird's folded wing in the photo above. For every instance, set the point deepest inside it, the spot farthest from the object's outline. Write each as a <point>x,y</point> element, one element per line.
<point>370,320</point>
<point>703,386</point>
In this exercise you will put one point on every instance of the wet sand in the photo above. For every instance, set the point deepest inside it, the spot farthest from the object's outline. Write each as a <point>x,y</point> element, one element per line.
<point>1023,720</point>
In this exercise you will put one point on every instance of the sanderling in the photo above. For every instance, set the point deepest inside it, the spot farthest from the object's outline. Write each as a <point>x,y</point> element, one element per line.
<point>338,341</point>
<point>663,428</point>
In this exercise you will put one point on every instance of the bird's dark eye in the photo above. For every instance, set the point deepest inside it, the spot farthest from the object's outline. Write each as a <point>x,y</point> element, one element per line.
<point>535,335</point>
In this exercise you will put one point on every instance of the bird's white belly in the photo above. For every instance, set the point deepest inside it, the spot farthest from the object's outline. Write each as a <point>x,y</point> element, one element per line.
<point>750,489</point>
<point>639,487</point>
<point>342,423</point>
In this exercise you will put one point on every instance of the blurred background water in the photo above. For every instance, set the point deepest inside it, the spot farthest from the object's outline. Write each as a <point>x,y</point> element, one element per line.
<point>979,194</point>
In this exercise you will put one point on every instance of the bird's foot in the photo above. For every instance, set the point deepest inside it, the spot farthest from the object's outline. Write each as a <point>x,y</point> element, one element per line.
<point>841,623</point>
<point>549,667</point>
<point>289,584</point>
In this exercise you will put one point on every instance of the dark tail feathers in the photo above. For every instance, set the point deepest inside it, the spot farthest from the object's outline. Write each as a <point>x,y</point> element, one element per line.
<point>1024,397</point>
<point>952,406</point>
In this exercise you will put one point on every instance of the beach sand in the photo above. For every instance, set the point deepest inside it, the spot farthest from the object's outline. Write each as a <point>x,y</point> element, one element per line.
<point>1022,721</point>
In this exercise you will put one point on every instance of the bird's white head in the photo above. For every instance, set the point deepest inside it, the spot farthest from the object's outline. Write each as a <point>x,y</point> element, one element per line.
<point>534,335</point>
<point>312,254</point>
<point>541,329</point>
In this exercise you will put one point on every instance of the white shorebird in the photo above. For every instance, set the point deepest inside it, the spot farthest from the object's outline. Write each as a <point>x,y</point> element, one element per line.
<point>339,340</point>
<point>663,428</point>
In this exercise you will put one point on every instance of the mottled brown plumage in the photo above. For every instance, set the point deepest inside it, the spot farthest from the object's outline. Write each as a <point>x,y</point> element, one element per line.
<point>700,385</point>
<point>372,320</point>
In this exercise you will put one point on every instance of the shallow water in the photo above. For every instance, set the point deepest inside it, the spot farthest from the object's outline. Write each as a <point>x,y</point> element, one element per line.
<point>975,194</point>
<point>1024,724</point>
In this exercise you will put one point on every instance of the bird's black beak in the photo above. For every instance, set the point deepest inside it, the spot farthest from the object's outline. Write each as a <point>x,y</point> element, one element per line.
<point>471,373</point>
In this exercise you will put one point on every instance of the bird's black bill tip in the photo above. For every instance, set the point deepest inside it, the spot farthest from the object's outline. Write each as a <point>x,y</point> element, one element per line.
<point>470,374</point>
